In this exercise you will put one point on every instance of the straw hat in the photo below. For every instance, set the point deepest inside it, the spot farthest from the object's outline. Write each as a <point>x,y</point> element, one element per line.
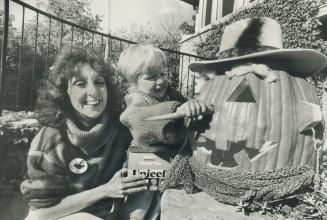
<point>260,40</point>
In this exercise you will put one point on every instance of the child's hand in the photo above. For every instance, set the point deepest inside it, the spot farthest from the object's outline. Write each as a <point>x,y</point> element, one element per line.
<point>194,109</point>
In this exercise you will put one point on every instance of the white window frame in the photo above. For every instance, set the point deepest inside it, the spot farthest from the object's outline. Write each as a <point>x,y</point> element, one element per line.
<point>203,8</point>
<point>216,12</point>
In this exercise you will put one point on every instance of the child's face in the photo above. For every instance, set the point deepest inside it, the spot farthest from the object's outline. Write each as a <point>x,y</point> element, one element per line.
<point>154,83</point>
<point>88,93</point>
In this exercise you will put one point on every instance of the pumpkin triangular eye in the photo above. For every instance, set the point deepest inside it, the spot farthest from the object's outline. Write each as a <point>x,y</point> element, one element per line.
<point>242,93</point>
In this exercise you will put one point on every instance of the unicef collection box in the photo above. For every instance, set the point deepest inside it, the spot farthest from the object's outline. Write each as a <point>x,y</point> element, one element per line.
<point>152,162</point>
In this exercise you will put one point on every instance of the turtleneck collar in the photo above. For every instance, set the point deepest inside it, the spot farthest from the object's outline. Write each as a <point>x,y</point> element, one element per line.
<point>92,140</point>
<point>149,99</point>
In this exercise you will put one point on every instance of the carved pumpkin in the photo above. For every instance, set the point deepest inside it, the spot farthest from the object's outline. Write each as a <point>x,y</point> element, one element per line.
<point>259,125</point>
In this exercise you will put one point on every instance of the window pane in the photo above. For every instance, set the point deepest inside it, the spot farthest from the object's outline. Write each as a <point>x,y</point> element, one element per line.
<point>208,12</point>
<point>227,7</point>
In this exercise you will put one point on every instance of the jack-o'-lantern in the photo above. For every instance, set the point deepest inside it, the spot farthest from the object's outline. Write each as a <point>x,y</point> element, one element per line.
<point>258,145</point>
<point>259,124</point>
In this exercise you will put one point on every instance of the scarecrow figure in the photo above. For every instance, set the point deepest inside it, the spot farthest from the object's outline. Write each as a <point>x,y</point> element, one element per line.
<point>259,144</point>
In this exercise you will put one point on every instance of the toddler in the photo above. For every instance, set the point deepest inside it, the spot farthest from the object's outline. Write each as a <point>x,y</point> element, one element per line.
<point>145,69</point>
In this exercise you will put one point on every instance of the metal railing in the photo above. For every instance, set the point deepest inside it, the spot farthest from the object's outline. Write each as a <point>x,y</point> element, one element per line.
<point>27,56</point>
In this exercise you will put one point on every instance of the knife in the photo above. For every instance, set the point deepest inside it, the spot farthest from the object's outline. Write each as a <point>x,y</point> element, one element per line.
<point>175,115</point>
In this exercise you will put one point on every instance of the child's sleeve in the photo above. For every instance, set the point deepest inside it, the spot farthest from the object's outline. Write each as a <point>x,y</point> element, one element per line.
<point>149,132</point>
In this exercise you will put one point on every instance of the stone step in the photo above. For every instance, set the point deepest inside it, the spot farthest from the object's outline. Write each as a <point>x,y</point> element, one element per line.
<point>178,205</point>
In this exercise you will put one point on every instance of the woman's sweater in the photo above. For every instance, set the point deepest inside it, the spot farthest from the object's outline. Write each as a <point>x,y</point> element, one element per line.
<point>57,168</point>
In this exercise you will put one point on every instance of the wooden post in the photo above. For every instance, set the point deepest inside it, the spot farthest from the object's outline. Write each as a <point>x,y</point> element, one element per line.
<point>107,48</point>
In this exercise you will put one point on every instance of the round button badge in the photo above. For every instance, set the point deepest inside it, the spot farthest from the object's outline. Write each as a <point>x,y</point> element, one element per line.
<point>154,181</point>
<point>78,166</point>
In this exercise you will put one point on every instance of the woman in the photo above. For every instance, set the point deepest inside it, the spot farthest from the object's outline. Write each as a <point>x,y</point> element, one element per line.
<point>75,161</point>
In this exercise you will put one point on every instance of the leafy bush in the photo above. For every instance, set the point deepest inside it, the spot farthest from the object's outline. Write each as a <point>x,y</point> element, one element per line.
<point>17,129</point>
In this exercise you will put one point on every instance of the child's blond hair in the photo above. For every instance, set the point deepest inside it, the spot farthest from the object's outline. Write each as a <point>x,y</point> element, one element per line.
<point>138,59</point>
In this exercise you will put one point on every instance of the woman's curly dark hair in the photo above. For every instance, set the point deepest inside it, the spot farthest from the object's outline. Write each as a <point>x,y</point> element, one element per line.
<point>53,104</point>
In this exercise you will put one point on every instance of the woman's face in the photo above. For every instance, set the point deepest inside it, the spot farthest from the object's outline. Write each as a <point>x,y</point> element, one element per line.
<point>88,92</point>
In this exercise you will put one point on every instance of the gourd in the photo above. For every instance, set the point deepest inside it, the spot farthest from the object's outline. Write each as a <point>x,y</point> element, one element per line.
<point>259,125</point>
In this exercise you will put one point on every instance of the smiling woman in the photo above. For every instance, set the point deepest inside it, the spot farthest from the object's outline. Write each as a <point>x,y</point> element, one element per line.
<point>78,80</point>
<point>75,161</point>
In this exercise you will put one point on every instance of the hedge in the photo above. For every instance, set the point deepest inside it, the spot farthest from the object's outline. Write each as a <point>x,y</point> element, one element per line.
<point>301,29</point>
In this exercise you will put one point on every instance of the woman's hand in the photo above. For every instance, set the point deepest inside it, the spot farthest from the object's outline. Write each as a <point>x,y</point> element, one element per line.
<point>119,186</point>
<point>194,109</point>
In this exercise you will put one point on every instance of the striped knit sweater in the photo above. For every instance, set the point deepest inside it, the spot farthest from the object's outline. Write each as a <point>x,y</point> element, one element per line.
<point>148,133</point>
<point>50,178</point>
